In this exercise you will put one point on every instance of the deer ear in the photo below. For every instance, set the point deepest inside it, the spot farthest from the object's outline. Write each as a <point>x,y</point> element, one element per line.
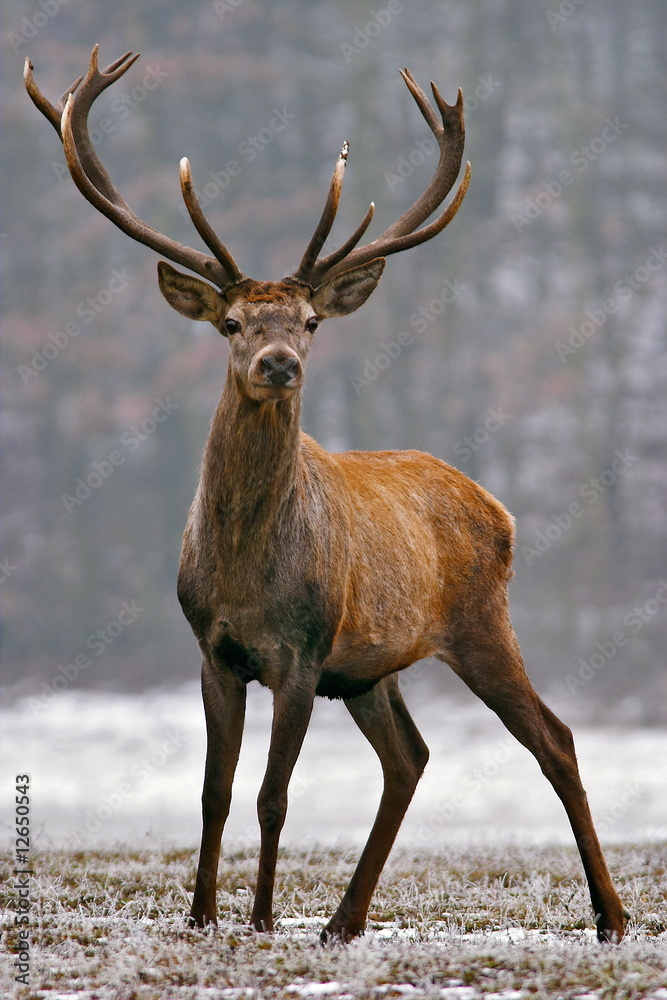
<point>349,290</point>
<point>189,296</point>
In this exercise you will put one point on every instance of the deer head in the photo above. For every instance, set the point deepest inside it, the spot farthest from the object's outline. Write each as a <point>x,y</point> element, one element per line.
<point>269,324</point>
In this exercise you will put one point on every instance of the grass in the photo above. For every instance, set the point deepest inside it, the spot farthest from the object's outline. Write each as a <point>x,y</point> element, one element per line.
<point>459,924</point>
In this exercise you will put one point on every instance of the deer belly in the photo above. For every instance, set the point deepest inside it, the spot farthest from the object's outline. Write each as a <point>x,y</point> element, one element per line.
<point>363,660</point>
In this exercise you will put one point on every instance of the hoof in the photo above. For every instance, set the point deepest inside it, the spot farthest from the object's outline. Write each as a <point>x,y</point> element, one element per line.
<point>262,926</point>
<point>610,930</point>
<point>336,932</point>
<point>201,920</point>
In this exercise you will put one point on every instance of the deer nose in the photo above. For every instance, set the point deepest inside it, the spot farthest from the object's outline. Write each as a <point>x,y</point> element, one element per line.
<point>279,369</point>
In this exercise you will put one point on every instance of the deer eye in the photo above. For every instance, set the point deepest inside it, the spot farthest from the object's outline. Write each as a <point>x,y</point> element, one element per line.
<point>312,324</point>
<point>232,326</point>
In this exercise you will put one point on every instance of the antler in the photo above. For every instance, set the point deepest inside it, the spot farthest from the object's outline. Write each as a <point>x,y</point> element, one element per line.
<point>405,232</point>
<point>70,120</point>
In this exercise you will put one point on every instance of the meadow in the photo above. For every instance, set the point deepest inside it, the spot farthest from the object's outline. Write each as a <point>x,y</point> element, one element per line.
<point>503,922</point>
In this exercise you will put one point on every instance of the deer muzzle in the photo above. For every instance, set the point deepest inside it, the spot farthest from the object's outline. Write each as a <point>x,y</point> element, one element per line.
<point>276,366</point>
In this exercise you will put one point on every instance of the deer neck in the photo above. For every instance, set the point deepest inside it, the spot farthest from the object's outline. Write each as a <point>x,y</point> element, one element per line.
<point>251,465</point>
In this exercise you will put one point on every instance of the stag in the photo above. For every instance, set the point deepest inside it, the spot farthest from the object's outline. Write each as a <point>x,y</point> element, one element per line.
<point>327,574</point>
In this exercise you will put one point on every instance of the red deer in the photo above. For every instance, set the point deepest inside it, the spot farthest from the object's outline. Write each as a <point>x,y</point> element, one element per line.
<point>327,574</point>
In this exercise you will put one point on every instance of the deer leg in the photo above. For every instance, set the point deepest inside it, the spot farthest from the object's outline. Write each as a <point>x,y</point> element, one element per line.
<point>494,671</point>
<point>292,707</point>
<point>385,721</point>
<point>224,706</point>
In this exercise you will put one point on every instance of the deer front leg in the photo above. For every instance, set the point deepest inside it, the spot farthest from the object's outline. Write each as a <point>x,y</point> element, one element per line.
<point>224,705</point>
<point>292,707</point>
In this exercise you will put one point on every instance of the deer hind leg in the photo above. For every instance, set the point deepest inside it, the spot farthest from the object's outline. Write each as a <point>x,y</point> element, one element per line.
<point>224,705</point>
<point>383,718</point>
<point>490,663</point>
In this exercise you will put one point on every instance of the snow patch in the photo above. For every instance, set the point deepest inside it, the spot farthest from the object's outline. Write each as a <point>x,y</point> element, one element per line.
<point>109,768</point>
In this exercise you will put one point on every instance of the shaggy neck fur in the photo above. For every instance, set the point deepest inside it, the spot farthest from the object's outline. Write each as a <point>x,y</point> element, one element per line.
<point>251,467</point>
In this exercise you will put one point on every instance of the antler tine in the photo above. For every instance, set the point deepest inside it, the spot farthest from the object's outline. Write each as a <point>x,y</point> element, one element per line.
<point>421,99</point>
<point>202,224</point>
<point>450,136</point>
<point>449,133</point>
<point>95,83</point>
<point>118,212</point>
<point>53,114</point>
<point>408,240</point>
<point>323,227</point>
<point>112,67</point>
<point>97,187</point>
<point>350,244</point>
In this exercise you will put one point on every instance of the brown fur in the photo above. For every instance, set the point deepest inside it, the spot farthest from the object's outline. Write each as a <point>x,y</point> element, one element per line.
<point>328,574</point>
<point>321,574</point>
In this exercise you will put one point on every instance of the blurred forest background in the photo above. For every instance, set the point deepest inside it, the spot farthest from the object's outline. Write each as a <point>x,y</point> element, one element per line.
<point>526,345</point>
